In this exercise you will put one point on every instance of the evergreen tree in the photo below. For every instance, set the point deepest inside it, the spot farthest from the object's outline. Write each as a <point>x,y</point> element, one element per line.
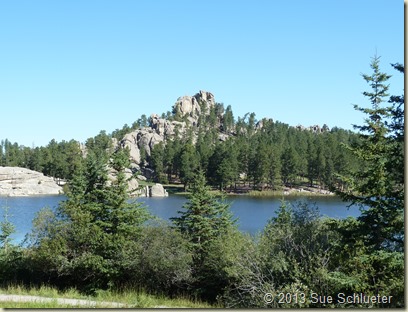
<point>157,162</point>
<point>275,168</point>
<point>290,165</point>
<point>205,219</point>
<point>374,186</point>
<point>223,165</point>
<point>260,162</point>
<point>7,228</point>
<point>228,120</point>
<point>189,164</point>
<point>96,224</point>
<point>312,159</point>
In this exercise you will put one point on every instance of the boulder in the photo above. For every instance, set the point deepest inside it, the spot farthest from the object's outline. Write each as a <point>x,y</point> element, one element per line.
<point>187,105</point>
<point>223,137</point>
<point>315,129</point>
<point>144,191</point>
<point>16,181</point>
<point>141,178</point>
<point>133,187</point>
<point>130,141</point>
<point>158,124</point>
<point>158,190</point>
<point>190,105</point>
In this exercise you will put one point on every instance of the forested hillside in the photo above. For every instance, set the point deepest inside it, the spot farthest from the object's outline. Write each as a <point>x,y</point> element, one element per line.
<point>236,154</point>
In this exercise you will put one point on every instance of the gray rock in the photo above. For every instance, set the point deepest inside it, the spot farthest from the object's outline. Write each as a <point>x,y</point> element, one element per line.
<point>190,105</point>
<point>158,190</point>
<point>315,129</point>
<point>16,181</point>
<point>130,141</point>
<point>144,192</point>
<point>223,137</point>
<point>141,178</point>
<point>133,184</point>
<point>134,167</point>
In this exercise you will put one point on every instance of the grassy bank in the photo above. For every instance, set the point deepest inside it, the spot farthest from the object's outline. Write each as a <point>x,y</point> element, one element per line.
<point>301,191</point>
<point>130,299</point>
<point>292,193</point>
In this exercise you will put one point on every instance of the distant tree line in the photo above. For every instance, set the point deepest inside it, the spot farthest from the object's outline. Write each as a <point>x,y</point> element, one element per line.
<point>57,159</point>
<point>265,158</point>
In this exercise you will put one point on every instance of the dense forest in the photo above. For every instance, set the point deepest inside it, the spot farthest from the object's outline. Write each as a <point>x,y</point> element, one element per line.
<point>100,239</point>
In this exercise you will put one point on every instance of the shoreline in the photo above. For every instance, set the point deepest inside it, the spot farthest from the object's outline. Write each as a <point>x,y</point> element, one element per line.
<point>285,191</point>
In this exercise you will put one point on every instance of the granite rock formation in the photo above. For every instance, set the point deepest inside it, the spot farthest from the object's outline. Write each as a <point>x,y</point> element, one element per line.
<point>16,181</point>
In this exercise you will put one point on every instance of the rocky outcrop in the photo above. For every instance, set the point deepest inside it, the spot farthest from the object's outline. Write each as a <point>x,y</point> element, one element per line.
<point>16,181</point>
<point>314,128</point>
<point>187,110</point>
<point>144,139</point>
<point>156,190</point>
<point>166,128</point>
<point>191,105</point>
<point>134,189</point>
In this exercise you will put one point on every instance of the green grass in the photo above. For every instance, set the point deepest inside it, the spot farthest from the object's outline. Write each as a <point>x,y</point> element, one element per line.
<point>269,193</point>
<point>131,298</point>
<point>144,183</point>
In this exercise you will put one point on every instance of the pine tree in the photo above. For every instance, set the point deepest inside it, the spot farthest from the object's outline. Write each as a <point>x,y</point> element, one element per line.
<point>290,165</point>
<point>374,186</point>
<point>228,120</point>
<point>99,222</point>
<point>205,220</point>
<point>157,162</point>
<point>222,167</point>
<point>205,217</point>
<point>7,228</point>
<point>189,163</point>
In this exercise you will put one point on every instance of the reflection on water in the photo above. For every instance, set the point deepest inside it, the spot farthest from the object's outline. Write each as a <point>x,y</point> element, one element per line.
<point>252,213</point>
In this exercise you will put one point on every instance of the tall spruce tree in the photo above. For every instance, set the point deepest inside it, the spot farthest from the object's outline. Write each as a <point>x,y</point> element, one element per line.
<point>98,224</point>
<point>205,220</point>
<point>205,217</point>
<point>374,186</point>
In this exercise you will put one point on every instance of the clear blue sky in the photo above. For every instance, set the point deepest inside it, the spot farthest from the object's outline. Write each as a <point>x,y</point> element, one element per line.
<point>69,69</point>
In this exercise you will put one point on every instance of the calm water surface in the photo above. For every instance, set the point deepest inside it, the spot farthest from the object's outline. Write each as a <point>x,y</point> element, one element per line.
<point>252,213</point>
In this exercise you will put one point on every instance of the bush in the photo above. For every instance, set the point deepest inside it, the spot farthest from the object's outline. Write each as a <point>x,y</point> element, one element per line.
<point>161,261</point>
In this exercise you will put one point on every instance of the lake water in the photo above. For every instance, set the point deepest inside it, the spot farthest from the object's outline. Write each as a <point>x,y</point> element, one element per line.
<point>252,213</point>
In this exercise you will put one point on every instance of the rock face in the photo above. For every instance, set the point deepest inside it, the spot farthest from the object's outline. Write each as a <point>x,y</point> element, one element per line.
<point>314,128</point>
<point>164,127</point>
<point>190,105</point>
<point>16,181</point>
<point>135,190</point>
<point>145,139</point>
<point>160,129</point>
